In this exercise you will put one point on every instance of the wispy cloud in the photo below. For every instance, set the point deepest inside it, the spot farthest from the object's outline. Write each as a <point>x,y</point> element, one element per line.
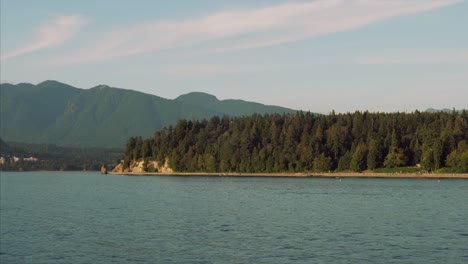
<point>203,70</point>
<point>431,58</point>
<point>52,34</point>
<point>246,29</point>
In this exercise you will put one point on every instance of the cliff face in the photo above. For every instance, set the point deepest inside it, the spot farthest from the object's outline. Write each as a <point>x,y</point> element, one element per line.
<point>142,167</point>
<point>103,169</point>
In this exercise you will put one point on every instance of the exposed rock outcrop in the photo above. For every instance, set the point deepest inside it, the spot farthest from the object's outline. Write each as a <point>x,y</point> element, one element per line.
<point>141,166</point>
<point>103,169</point>
<point>118,168</point>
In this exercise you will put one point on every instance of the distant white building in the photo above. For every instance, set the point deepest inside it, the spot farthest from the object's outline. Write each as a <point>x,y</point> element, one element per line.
<point>2,160</point>
<point>31,159</point>
<point>16,159</point>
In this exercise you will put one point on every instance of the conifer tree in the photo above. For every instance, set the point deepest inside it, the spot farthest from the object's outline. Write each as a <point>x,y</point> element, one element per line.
<point>358,160</point>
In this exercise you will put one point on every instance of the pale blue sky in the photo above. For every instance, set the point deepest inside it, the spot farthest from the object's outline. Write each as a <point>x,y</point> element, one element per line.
<point>346,55</point>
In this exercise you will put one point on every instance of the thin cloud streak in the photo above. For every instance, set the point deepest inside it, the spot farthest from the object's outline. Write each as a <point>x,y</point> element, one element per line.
<point>198,70</point>
<point>52,34</point>
<point>436,58</point>
<point>247,29</point>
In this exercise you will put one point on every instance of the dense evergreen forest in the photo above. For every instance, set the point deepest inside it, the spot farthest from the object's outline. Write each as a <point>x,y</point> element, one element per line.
<point>308,142</point>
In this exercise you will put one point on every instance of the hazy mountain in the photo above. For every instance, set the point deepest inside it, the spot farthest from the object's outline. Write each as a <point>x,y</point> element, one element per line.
<point>4,148</point>
<point>233,107</point>
<point>445,110</point>
<point>56,113</point>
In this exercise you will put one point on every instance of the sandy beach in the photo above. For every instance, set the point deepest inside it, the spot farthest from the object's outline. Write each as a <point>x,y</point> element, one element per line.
<point>310,175</point>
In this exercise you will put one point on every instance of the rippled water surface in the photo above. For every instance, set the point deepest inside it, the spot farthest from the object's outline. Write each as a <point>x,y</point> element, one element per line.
<point>91,218</point>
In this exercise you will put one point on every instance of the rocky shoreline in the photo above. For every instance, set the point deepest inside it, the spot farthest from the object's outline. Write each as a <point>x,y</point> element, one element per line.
<point>142,167</point>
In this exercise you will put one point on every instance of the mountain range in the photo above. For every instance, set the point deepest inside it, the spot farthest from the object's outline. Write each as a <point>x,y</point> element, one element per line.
<point>56,113</point>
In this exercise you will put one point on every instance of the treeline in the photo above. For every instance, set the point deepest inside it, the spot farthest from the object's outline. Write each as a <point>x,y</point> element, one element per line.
<point>307,142</point>
<point>54,158</point>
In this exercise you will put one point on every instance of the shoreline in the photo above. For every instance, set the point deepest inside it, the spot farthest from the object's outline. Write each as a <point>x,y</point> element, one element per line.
<point>305,175</point>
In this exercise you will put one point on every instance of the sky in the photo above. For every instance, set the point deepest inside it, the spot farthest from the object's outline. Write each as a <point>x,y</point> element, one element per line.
<point>319,56</point>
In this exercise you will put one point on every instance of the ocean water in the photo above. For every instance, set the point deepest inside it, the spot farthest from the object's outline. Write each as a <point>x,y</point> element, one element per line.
<point>82,217</point>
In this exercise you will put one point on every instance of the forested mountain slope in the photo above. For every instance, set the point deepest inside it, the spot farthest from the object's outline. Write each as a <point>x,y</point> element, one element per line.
<point>56,113</point>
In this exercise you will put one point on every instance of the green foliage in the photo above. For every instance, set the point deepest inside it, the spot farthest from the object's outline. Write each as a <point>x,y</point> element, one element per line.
<point>395,158</point>
<point>322,163</point>
<point>373,155</point>
<point>458,158</point>
<point>56,113</point>
<point>304,142</point>
<point>358,160</point>
<point>344,162</point>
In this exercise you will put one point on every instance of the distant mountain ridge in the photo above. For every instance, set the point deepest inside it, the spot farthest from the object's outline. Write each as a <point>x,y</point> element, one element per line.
<point>56,113</point>
<point>445,110</point>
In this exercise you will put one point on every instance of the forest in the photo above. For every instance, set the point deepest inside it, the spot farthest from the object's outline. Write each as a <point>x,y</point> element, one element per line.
<point>306,142</point>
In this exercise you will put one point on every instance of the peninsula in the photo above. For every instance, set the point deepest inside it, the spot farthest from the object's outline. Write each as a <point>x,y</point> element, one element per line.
<point>360,144</point>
